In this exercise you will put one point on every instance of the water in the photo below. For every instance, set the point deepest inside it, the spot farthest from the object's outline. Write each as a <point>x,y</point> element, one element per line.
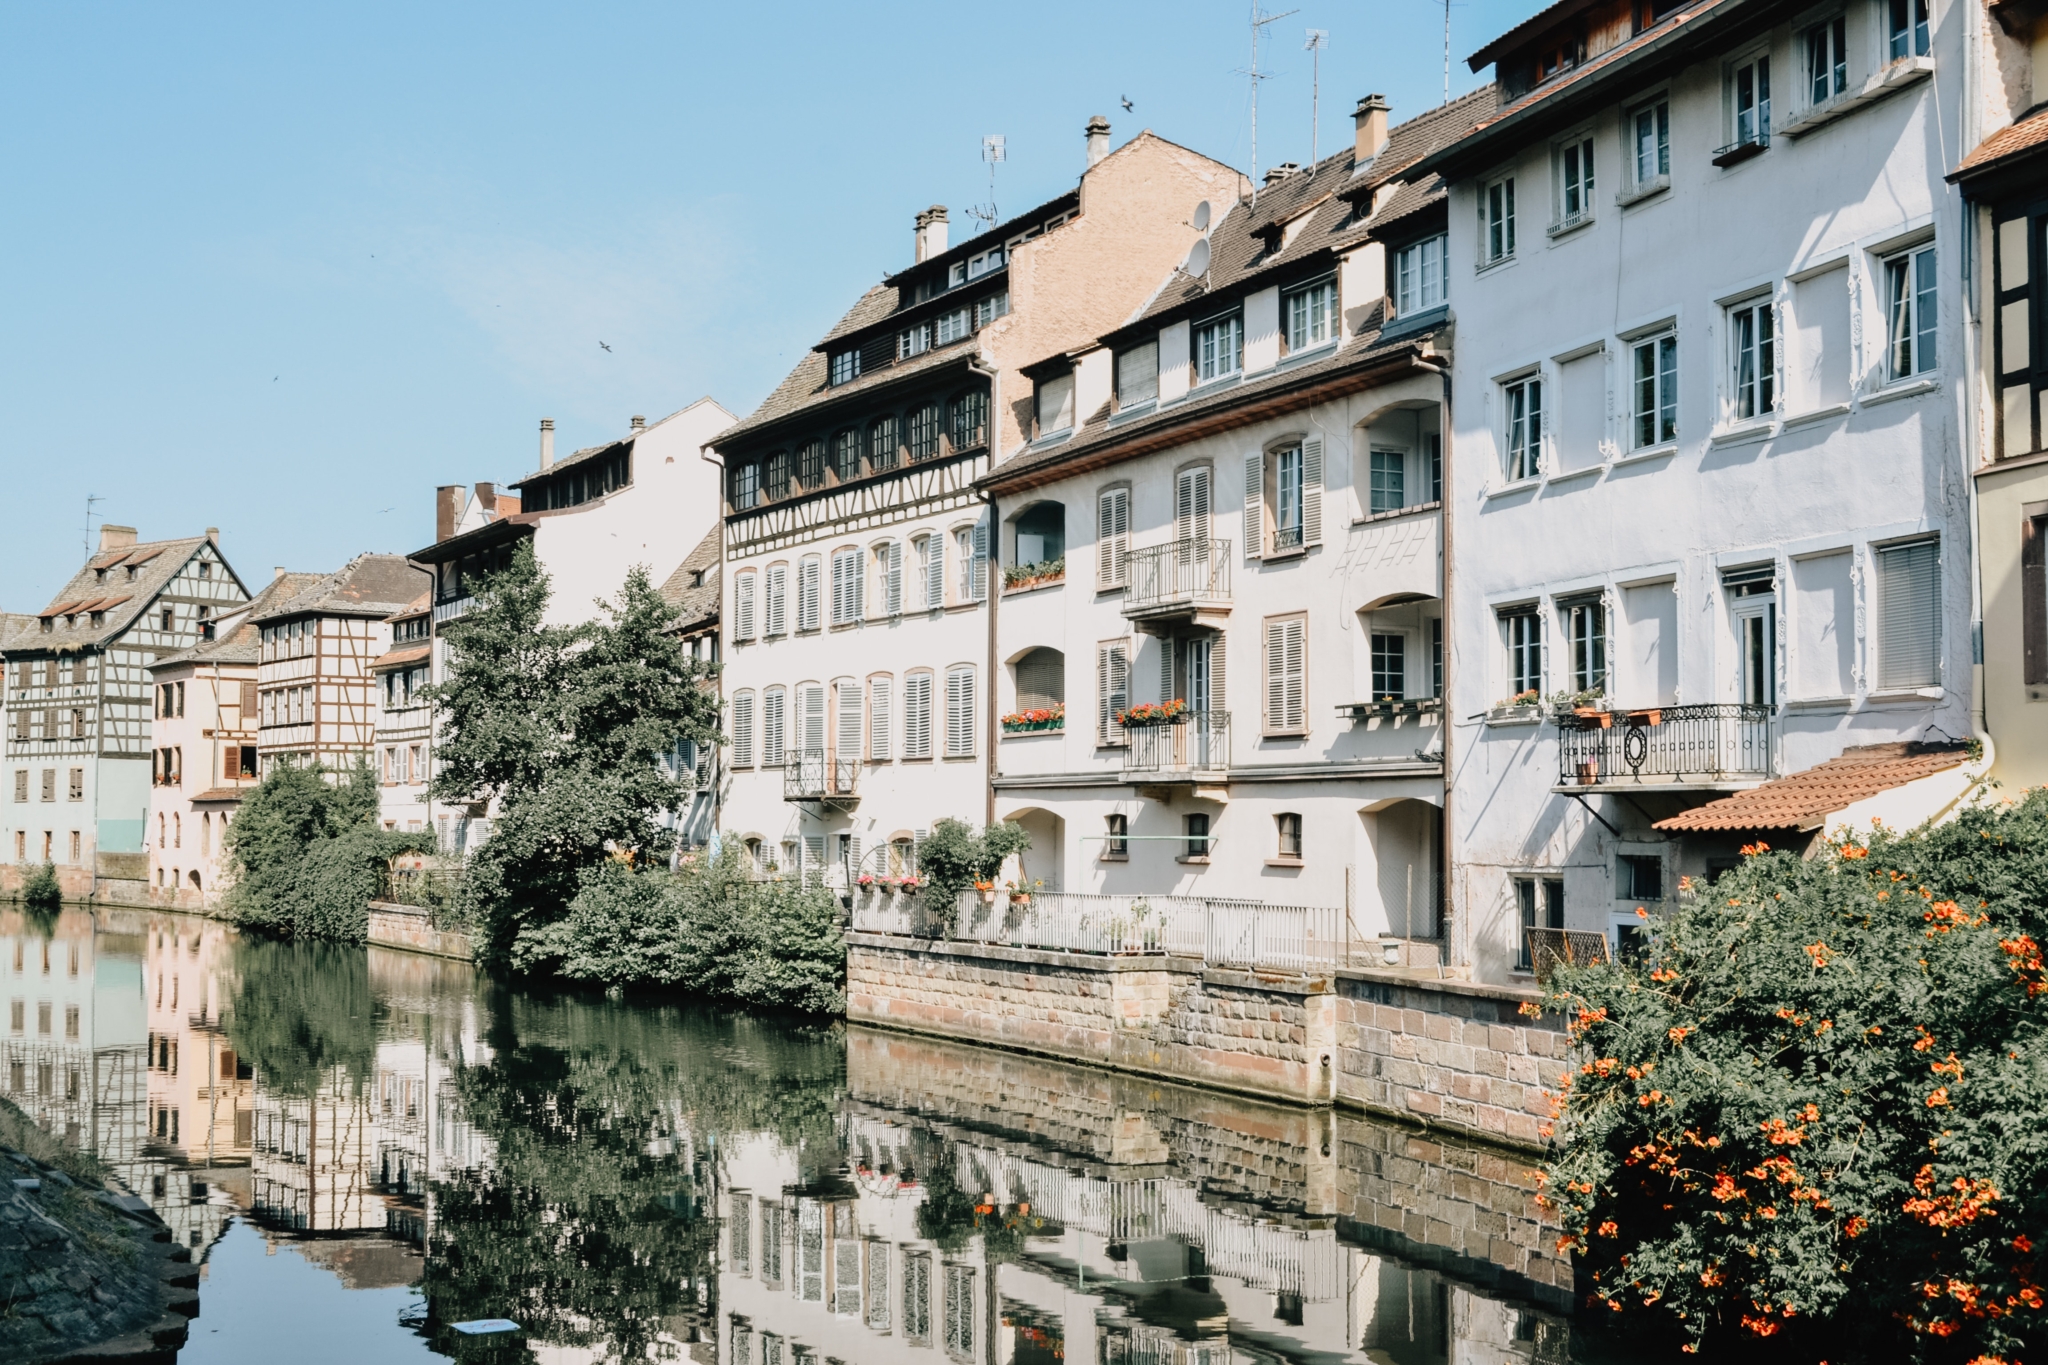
<point>363,1148</point>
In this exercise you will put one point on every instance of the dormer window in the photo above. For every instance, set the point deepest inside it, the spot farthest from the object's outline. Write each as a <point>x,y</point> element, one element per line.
<point>1219,348</point>
<point>99,575</point>
<point>1310,314</point>
<point>989,309</point>
<point>1137,375</point>
<point>846,366</point>
<point>912,341</point>
<point>953,326</point>
<point>134,572</point>
<point>1056,404</point>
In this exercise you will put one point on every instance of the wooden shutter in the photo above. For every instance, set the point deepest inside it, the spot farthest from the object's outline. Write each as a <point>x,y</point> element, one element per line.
<point>1254,504</point>
<point>959,712</point>
<point>814,717</point>
<point>1191,507</point>
<point>849,717</point>
<point>248,701</point>
<point>917,715</point>
<point>743,607</point>
<point>1219,700</point>
<point>777,594</point>
<point>934,571</point>
<point>1112,689</point>
<point>1312,490</point>
<point>980,579</point>
<point>1112,537</point>
<point>773,741</point>
<point>892,578</point>
<point>807,574</point>
<point>2034,592</point>
<point>1285,685</point>
<point>1166,688</point>
<point>743,730</point>
<point>878,717</point>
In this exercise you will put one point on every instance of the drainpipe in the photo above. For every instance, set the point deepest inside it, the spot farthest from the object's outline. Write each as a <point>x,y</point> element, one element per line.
<point>1445,859</point>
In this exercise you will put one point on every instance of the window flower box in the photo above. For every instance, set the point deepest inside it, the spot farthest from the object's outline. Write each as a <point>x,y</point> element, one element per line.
<point>1173,712</point>
<point>1019,577</point>
<point>1040,718</point>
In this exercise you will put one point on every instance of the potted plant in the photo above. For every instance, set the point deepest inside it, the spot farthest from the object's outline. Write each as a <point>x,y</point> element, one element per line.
<point>988,892</point>
<point>1037,718</point>
<point>1173,712</point>
<point>1589,771</point>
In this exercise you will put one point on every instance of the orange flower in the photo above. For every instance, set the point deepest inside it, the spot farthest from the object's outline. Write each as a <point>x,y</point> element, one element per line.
<point>1819,953</point>
<point>1938,1099</point>
<point>1851,851</point>
<point>1855,1226</point>
<point>1677,1035</point>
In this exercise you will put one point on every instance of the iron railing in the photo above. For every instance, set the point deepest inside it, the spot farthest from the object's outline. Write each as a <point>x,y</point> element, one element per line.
<point>1222,933</point>
<point>1668,744</point>
<point>812,775</point>
<point>1180,574</point>
<point>1194,743</point>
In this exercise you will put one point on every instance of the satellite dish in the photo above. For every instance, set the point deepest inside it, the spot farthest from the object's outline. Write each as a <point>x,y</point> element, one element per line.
<point>1200,222</point>
<point>1198,258</point>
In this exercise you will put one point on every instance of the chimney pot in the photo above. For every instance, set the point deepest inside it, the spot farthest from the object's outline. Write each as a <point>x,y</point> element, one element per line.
<point>116,537</point>
<point>547,442</point>
<point>1370,121</point>
<point>931,232</point>
<point>1098,139</point>
<point>639,422</point>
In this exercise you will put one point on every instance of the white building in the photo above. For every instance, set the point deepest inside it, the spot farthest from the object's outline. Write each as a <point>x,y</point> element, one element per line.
<point>1238,491</point>
<point>856,577</point>
<point>1705,479</point>
<point>405,722</point>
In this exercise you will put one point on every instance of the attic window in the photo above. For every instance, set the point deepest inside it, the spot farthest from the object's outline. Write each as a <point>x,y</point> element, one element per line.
<point>99,618</point>
<point>846,366</point>
<point>1559,57</point>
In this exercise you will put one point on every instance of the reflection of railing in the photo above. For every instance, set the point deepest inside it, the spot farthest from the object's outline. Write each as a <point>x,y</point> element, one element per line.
<point>1223,933</point>
<point>1180,574</point>
<point>809,775</point>
<point>1571,947</point>
<point>1666,744</point>
<point>1195,742</point>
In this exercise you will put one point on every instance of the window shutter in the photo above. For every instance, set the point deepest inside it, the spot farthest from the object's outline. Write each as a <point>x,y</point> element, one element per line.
<point>814,718</point>
<point>1166,692</point>
<point>1312,491</point>
<point>1191,506</point>
<point>852,856</point>
<point>776,586</point>
<point>839,612</point>
<point>917,838</point>
<point>248,705</point>
<point>743,609</point>
<point>814,858</point>
<point>1276,686</point>
<point>959,712</point>
<point>878,718</point>
<point>1909,588</point>
<point>981,558</point>
<point>1219,700</point>
<point>934,571</point>
<point>2034,599</point>
<point>1254,504</point>
<point>856,586</point>
<point>848,746</point>
<point>917,715</point>
<point>1112,537</point>
<point>772,741</point>
<point>1112,690</point>
<point>743,730</point>
<point>1286,702</point>
<point>807,586</point>
<point>892,577</point>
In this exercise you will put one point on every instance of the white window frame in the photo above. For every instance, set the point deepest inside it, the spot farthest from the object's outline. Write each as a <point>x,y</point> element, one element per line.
<point>775,600</point>
<point>1576,182</point>
<point>1827,39</point>
<point>1309,315</point>
<point>1656,174</point>
<point>1662,393</point>
<point>810,573</point>
<point>1753,389</point>
<point>1422,275</point>
<point>1750,124</point>
<point>846,366</point>
<point>1908,268</point>
<point>1881,555</point>
<point>1915,39</point>
<point>1521,635</point>
<point>742,726</point>
<point>743,605</point>
<point>773,718</point>
<point>913,341</point>
<point>949,327</point>
<point>1113,537</point>
<point>848,579</point>
<point>960,711</point>
<point>918,686</point>
<point>1523,418</point>
<point>1496,221</point>
<point>1210,340</point>
<point>1285,661</point>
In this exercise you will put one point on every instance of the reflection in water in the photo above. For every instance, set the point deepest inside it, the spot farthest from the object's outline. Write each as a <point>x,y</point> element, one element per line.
<point>630,1182</point>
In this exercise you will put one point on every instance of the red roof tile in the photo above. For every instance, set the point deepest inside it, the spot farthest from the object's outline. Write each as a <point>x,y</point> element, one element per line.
<point>2028,133</point>
<point>1805,800</point>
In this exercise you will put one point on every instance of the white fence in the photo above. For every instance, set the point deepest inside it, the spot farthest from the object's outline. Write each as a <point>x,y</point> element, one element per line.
<point>1223,933</point>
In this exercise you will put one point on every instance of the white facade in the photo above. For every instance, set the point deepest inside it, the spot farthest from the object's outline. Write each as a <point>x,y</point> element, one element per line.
<point>404,742</point>
<point>1745,487</point>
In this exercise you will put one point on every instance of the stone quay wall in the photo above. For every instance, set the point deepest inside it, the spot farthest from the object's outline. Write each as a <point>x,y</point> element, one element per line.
<point>408,928</point>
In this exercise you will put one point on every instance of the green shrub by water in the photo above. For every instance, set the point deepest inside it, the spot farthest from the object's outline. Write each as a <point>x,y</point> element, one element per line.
<point>41,891</point>
<point>306,855</point>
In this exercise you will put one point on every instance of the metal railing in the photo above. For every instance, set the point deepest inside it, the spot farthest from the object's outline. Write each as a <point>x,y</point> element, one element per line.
<point>1716,743</point>
<point>1195,742</point>
<point>1222,933</point>
<point>811,775</point>
<point>1181,573</point>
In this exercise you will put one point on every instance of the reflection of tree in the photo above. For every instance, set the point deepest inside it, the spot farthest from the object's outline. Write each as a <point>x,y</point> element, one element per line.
<point>299,1010</point>
<point>591,1228</point>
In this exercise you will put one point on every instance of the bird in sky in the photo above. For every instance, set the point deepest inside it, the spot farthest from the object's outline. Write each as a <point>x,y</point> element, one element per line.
<point>1128,106</point>
<point>602,344</point>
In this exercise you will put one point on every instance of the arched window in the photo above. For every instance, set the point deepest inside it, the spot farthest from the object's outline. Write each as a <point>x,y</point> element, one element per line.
<point>924,432</point>
<point>968,426</point>
<point>810,464</point>
<point>1041,680</point>
<point>846,455</point>
<point>882,443</point>
<point>775,482</point>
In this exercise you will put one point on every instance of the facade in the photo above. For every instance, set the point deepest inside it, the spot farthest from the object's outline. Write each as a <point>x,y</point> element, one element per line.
<point>405,722</point>
<point>694,590</point>
<point>2004,178</point>
<point>203,749</point>
<point>314,684</point>
<point>1229,520</point>
<point>857,673</point>
<point>1707,509</point>
<point>75,779</point>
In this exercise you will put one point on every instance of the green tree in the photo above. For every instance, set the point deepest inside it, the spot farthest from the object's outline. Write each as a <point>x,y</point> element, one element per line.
<point>954,856</point>
<point>306,854</point>
<point>1811,1112</point>
<point>561,727</point>
<point>41,891</point>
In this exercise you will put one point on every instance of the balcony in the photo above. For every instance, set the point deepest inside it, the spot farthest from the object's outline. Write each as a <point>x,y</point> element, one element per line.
<point>811,775</point>
<point>1184,583</point>
<point>1672,748</point>
<point>1195,747</point>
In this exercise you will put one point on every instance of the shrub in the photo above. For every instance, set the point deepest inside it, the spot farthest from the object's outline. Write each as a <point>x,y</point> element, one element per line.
<point>954,857</point>
<point>1810,1112</point>
<point>307,856</point>
<point>41,891</point>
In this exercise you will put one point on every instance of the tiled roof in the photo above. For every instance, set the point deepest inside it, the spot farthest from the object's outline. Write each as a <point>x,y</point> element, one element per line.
<point>404,654</point>
<point>237,639</point>
<point>1805,800</point>
<point>155,563</point>
<point>417,607</point>
<point>225,793</point>
<point>2029,134</point>
<point>696,604</point>
<point>368,585</point>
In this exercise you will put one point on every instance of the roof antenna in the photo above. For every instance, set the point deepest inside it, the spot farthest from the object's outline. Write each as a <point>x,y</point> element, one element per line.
<point>1447,51</point>
<point>1259,21</point>
<point>1318,39</point>
<point>992,151</point>
<point>90,499</point>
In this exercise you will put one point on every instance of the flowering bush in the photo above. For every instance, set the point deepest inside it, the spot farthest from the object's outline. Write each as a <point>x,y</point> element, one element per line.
<point>1153,713</point>
<point>1811,1110</point>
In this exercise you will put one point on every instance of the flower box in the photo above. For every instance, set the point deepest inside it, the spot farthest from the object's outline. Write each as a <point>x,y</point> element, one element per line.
<point>1173,712</point>
<point>1042,718</point>
<point>1020,577</point>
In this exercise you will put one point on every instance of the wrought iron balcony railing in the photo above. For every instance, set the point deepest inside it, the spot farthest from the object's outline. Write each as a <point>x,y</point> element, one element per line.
<point>812,775</point>
<point>1194,745</point>
<point>1179,578</point>
<point>1667,746</point>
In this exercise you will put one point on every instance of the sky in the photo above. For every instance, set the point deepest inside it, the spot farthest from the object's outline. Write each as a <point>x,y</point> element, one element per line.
<point>284,269</point>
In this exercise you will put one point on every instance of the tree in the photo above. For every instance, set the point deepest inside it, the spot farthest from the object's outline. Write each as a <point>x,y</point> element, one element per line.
<point>1811,1112</point>
<point>306,854</point>
<point>954,857</point>
<point>561,728</point>
<point>41,891</point>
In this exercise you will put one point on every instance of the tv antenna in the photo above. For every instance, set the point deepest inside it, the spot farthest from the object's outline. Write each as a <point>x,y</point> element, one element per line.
<point>1447,51</point>
<point>992,151</point>
<point>1259,21</point>
<point>90,500</point>
<point>1318,39</point>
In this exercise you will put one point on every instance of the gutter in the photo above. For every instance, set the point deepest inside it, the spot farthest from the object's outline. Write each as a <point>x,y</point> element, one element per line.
<point>1447,862</point>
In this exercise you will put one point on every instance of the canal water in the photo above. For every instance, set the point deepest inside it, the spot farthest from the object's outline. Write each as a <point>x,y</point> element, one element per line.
<point>365,1148</point>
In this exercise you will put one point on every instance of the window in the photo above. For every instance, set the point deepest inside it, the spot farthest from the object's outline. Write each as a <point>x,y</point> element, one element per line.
<point>1287,837</point>
<point>1524,399</point>
<point>775,476</point>
<point>49,784</point>
<point>1422,275</point>
<point>1909,296</point>
<point>1827,60</point>
<point>846,586</point>
<point>1286,701</point>
<point>980,265</point>
<point>1389,480</point>
<point>1541,901</point>
<point>743,729</point>
<point>913,341</point>
<point>1055,404</point>
<point>1041,534</point>
<point>847,713</point>
<point>960,711</point>
<point>1112,689</point>
<point>774,738</point>
<point>1906,29</point>
<point>989,309</point>
<point>775,600</point>
<point>1195,835</point>
<point>1436,656</point>
<point>969,420</point>
<point>924,432</point>
<point>1749,103</point>
<point>846,366</point>
<point>953,326</point>
<point>960,1310</point>
<point>970,552</point>
<point>743,606</point>
<point>1497,221</point>
<point>1650,130</point>
<point>75,787</point>
<point>1909,616</point>
<point>810,464</point>
<point>880,694</point>
<point>1112,537</point>
<point>846,455</point>
<point>1287,498</point>
<point>882,443</point>
<point>917,715</point>
<point>929,552</point>
<point>1117,841</point>
<point>2021,358</point>
<point>1219,348</point>
<point>1585,628</point>
<point>1753,614</point>
<point>1522,632</point>
<point>1310,314</point>
<point>1433,456</point>
<point>1389,667</point>
<point>809,720</point>
<point>1753,343</point>
<point>1638,877</point>
<point>809,571</point>
<point>1655,390</point>
<point>1137,375</point>
<point>1575,182</point>
<point>888,559</point>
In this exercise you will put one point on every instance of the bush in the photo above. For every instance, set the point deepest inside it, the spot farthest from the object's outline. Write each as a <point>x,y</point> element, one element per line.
<point>953,857</point>
<point>707,929</point>
<point>41,891</point>
<point>1811,1112</point>
<point>307,856</point>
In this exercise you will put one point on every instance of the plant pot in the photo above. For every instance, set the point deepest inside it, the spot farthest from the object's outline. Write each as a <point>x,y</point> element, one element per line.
<point>1589,772</point>
<point>1601,720</point>
<point>1650,717</point>
<point>1020,900</point>
<point>988,898</point>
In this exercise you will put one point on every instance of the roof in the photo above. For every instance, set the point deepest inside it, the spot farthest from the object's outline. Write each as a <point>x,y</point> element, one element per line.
<point>12,623</point>
<point>225,793</point>
<point>237,639</point>
<point>696,604</point>
<point>492,532</point>
<point>1528,31</point>
<point>2010,143</point>
<point>574,458</point>
<point>404,654</point>
<point>1805,799</point>
<point>368,585</point>
<point>419,606</point>
<point>155,563</point>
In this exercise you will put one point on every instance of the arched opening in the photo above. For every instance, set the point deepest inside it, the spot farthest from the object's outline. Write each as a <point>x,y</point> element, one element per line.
<point>1041,534</point>
<point>193,877</point>
<point>1405,838</point>
<point>1041,679</point>
<point>1041,862</point>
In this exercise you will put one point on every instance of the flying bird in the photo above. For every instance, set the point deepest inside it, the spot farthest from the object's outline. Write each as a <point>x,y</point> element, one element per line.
<point>602,344</point>
<point>1128,106</point>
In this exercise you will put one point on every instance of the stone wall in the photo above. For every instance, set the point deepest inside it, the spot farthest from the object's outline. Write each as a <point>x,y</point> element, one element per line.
<point>409,928</point>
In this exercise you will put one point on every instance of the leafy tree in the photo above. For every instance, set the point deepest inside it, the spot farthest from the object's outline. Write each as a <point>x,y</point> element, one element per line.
<point>560,727</point>
<point>307,855</point>
<point>1810,1114</point>
<point>41,892</point>
<point>954,857</point>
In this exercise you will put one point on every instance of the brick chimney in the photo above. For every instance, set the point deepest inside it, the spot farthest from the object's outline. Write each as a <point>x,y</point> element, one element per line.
<point>1097,133</point>
<point>116,537</point>
<point>931,232</point>
<point>547,442</point>
<point>487,497</point>
<point>1370,119</point>
<point>447,510</point>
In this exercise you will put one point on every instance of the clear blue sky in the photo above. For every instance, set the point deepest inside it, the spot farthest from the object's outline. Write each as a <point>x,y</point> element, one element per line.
<point>283,269</point>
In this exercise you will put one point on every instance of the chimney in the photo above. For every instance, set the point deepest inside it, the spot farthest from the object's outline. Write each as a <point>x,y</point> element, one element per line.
<point>1098,139</point>
<point>639,423</point>
<point>116,537</point>
<point>547,442</point>
<point>277,573</point>
<point>213,535</point>
<point>447,510</point>
<point>931,232</point>
<point>1282,171</point>
<point>487,497</point>
<point>1370,119</point>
